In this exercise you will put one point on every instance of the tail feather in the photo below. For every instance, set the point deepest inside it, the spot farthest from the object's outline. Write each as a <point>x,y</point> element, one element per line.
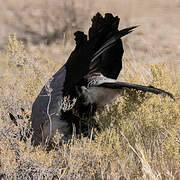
<point>126,31</point>
<point>102,50</point>
<point>113,41</point>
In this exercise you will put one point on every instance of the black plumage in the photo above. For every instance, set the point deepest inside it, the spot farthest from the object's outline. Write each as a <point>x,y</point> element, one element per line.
<point>47,115</point>
<point>89,76</point>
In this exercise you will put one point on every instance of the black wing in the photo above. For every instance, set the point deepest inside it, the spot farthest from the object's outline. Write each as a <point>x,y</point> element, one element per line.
<point>121,85</point>
<point>102,90</point>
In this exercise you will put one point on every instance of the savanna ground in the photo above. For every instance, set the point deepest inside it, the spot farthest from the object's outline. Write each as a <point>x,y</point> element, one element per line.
<point>140,133</point>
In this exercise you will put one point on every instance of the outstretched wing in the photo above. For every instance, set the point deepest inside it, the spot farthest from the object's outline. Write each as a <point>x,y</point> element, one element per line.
<point>102,90</point>
<point>121,85</point>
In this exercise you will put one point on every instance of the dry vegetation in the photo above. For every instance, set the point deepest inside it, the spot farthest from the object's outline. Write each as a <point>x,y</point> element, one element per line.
<point>140,133</point>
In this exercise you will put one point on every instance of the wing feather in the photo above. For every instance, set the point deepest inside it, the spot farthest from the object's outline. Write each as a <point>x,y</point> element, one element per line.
<point>121,85</point>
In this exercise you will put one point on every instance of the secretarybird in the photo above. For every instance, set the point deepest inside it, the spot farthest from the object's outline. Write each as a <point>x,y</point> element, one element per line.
<point>89,76</point>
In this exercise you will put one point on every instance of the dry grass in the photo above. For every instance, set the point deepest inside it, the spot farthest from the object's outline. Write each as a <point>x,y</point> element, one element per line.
<point>140,133</point>
<point>139,137</point>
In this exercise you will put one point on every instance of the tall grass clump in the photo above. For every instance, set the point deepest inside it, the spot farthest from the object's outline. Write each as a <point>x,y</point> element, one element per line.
<point>139,137</point>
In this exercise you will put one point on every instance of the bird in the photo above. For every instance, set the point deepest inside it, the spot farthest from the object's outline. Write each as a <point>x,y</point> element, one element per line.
<point>87,81</point>
<point>47,115</point>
